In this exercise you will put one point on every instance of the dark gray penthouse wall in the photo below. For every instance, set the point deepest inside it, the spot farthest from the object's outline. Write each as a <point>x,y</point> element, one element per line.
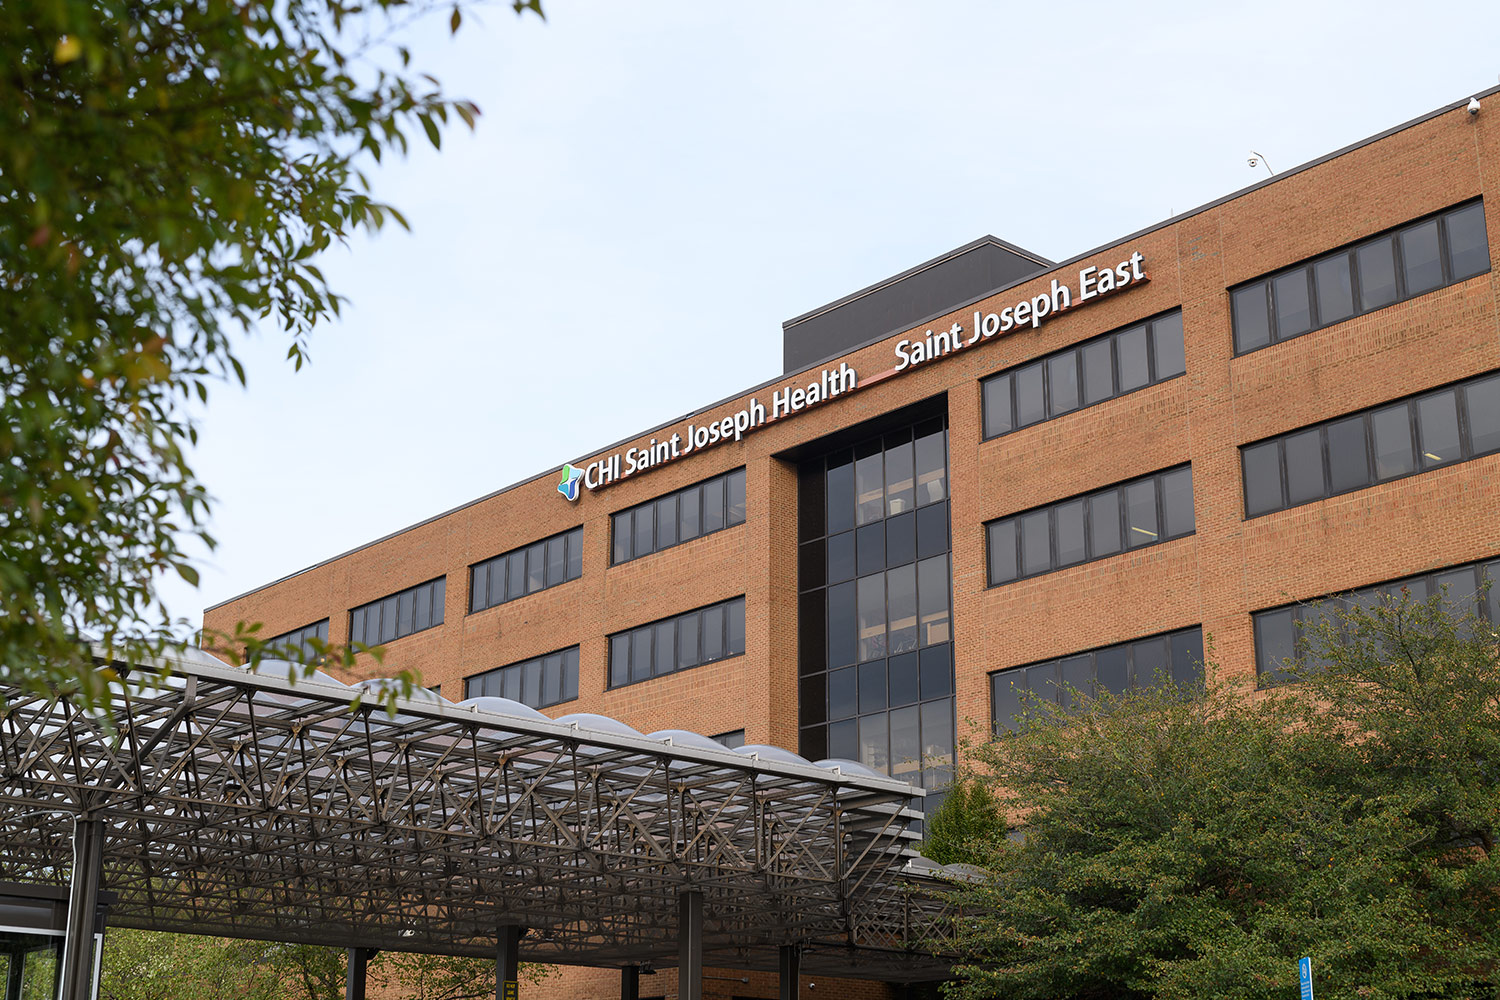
<point>971,271</point>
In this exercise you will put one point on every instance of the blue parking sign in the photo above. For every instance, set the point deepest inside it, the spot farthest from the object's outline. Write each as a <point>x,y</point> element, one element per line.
<point>1304,974</point>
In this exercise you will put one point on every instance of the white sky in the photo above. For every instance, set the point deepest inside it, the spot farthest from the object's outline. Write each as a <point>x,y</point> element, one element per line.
<point>655,186</point>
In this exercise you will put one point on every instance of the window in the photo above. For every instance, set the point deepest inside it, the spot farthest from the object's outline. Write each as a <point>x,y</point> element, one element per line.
<point>732,740</point>
<point>1085,374</point>
<point>710,506</point>
<point>1386,442</point>
<point>1284,633</point>
<point>412,610</point>
<point>1080,529</point>
<point>1416,258</point>
<point>295,645</point>
<point>539,682</point>
<point>716,632</point>
<point>526,570</point>
<point>1176,657</point>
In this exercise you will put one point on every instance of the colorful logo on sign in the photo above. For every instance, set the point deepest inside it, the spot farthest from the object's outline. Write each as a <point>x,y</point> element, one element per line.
<point>569,485</point>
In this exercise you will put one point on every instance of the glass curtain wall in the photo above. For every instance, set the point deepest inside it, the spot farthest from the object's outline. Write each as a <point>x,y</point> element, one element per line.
<point>875,655</point>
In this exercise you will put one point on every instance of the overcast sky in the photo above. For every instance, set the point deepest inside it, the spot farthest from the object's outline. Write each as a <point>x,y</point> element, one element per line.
<point>655,186</point>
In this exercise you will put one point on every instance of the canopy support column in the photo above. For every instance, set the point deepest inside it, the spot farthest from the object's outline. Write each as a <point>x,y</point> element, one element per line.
<point>83,910</point>
<point>354,980</point>
<point>630,983</point>
<point>508,962</point>
<point>690,946</point>
<point>791,970</point>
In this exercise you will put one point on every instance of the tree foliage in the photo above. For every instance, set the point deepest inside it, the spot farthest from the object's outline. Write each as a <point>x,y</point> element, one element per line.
<point>1191,844</point>
<point>169,174</point>
<point>966,826</point>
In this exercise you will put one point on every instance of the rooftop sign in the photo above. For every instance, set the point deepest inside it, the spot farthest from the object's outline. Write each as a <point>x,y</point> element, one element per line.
<point>1093,283</point>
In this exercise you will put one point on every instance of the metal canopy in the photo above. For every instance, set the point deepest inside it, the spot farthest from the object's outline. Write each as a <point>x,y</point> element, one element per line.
<point>245,805</point>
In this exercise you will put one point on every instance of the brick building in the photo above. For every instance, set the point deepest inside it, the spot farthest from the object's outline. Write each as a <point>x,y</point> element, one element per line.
<point>991,472</point>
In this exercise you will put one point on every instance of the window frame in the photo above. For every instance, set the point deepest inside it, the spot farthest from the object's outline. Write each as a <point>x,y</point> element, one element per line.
<point>436,617</point>
<point>626,639</point>
<point>519,668</point>
<point>317,630</point>
<point>676,496</point>
<point>524,552</point>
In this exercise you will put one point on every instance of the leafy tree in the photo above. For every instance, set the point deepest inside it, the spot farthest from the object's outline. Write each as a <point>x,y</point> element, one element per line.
<point>966,825</point>
<point>170,172</point>
<point>1197,843</point>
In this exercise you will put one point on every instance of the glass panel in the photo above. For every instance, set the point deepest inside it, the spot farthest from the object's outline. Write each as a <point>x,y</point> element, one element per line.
<point>570,674</point>
<point>871,616</point>
<point>1252,318</point>
<point>690,514</point>
<point>1262,478</point>
<point>688,653</point>
<point>1098,371</point>
<point>841,628</point>
<point>932,467</point>
<point>619,660</point>
<point>1273,644</point>
<point>1377,274</point>
<point>1187,657</point>
<point>1041,680</point>
<point>901,585</point>
<point>1150,660</point>
<point>841,557</point>
<point>1420,258</point>
<point>1077,674</point>
<point>997,416</point>
<point>439,595</point>
<point>1002,541</point>
<point>932,599</point>
<point>557,561</point>
<point>1348,459</point>
<point>1104,524</point>
<point>906,744</point>
<point>1304,467</point>
<point>872,686</point>
<point>841,700</point>
<point>1005,694</point>
<point>666,522</point>
<point>1166,342</point>
<point>510,679</point>
<point>357,626</point>
<point>1437,423</point>
<point>932,530</point>
<point>873,750</point>
<point>479,587</point>
<point>903,679</point>
<point>1177,502</point>
<point>1461,594</point>
<point>515,566</point>
<point>841,495</point>
<point>713,505</point>
<point>1482,402</point>
<point>1392,429</point>
<point>869,483</point>
<point>734,616</point>
<point>1293,310</point>
<point>713,633</point>
<point>552,679</point>
<point>1112,668</point>
<point>735,492</point>
<point>937,742</point>
<point>623,534</point>
<point>1070,547</point>
<point>814,745</point>
<point>640,654</point>
<point>870,548</point>
<point>1062,381</point>
<point>936,669</point>
<point>1468,249</point>
<point>388,618</point>
<point>665,648</point>
<point>901,539</point>
<point>1492,598</point>
<point>575,553</point>
<point>423,617</point>
<point>536,557</point>
<point>531,683</point>
<point>900,482</point>
<point>812,507</point>
<point>1036,543</point>
<point>1130,349</point>
<point>812,699</point>
<point>1030,401</point>
<point>1140,513</point>
<point>812,632</point>
<point>1335,289</point>
<point>812,564</point>
<point>843,740</point>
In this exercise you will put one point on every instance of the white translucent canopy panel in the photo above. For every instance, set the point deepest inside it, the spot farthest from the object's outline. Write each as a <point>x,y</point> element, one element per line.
<point>598,723</point>
<point>502,706</point>
<point>294,673</point>
<point>764,751</point>
<point>687,738</point>
<point>850,767</point>
<point>378,686</point>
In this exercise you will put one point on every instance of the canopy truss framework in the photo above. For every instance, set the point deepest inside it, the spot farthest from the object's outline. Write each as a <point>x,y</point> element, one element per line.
<point>247,806</point>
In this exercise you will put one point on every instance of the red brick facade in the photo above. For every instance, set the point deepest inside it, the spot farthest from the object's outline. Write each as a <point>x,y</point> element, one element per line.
<point>1215,578</point>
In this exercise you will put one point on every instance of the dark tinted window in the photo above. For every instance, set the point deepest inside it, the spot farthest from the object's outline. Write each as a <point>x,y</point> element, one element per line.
<point>395,616</point>
<point>539,682</point>
<point>709,506</point>
<point>1468,246</point>
<point>298,645</point>
<point>1377,274</point>
<point>678,643</point>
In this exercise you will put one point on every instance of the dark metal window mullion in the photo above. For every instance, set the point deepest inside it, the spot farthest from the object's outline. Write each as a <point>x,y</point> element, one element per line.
<point>1272,326</point>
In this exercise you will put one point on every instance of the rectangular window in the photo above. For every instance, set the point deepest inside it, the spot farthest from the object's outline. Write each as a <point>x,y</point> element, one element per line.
<point>526,570</point>
<point>701,509</point>
<point>1436,428</point>
<point>297,645</point>
<point>1284,637</point>
<point>397,615</point>
<point>1084,374</point>
<point>541,681</point>
<point>716,632</point>
<point>1417,258</point>
<point>1172,658</point>
<point>1142,512</point>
